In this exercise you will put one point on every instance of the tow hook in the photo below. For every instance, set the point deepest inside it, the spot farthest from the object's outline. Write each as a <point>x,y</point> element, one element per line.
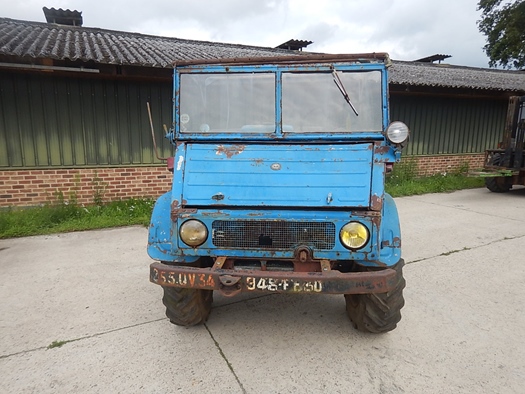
<point>230,285</point>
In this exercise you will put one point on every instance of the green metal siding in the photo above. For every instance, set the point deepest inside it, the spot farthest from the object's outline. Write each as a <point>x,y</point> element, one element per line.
<point>448,125</point>
<point>48,121</point>
<point>52,121</point>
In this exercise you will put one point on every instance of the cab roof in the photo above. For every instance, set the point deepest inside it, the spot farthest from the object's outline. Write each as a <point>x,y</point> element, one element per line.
<point>375,57</point>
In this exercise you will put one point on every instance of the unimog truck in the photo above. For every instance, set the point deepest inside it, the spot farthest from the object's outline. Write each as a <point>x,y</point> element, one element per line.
<point>278,186</point>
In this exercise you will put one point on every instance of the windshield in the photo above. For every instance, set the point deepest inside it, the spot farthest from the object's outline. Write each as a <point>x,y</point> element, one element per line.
<point>311,102</point>
<point>227,102</point>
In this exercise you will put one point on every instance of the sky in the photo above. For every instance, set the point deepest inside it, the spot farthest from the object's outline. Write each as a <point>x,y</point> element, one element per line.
<point>406,29</point>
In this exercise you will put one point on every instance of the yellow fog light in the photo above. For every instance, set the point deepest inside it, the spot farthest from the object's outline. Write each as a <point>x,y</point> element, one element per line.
<point>354,235</point>
<point>193,232</point>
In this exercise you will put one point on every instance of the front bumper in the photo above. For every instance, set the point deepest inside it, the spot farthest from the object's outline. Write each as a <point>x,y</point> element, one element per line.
<point>231,281</point>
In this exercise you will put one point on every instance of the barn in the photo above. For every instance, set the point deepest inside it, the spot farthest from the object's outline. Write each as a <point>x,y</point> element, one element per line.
<point>73,118</point>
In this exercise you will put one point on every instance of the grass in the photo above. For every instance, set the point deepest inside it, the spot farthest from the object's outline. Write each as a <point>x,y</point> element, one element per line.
<point>62,216</point>
<point>65,216</point>
<point>55,344</point>
<point>404,181</point>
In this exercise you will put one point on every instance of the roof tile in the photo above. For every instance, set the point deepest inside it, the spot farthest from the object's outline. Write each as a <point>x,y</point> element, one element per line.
<point>45,40</point>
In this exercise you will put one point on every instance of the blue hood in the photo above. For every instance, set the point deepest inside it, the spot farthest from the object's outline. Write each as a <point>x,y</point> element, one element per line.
<point>255,175</point>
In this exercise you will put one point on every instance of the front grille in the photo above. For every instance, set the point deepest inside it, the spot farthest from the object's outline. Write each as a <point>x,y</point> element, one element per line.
<point>248,234</point>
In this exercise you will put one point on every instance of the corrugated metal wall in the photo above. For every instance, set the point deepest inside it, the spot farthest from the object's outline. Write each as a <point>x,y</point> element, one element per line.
<point>447,125</point>
<point>49,121</point>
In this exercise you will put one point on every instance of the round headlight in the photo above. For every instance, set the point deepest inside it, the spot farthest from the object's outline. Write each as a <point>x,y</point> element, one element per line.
<point>354,235</point>
<point>397,132</point>
<point>193,232</point>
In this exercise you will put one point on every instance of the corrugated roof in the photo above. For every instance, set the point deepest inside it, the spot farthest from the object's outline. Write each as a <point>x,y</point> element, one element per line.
<point>444,75</point>
<point>44,40</point>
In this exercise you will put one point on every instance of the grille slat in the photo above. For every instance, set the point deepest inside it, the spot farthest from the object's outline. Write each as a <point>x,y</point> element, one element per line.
<point>248,234</point>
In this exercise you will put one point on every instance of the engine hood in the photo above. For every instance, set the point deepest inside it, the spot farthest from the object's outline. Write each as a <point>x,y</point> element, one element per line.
<point>276,175</point>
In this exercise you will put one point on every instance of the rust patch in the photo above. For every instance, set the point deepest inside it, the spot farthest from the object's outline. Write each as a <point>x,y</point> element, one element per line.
<point>396,243</point>
<point>376,220</point>
<point>376,203</point>
<point>230,151</point>
<point>306,267</point>
<point>170,164</point>
<point>177,211</point>
<point>381,149</point>
<point>215,214</point>
<point>329,281</point>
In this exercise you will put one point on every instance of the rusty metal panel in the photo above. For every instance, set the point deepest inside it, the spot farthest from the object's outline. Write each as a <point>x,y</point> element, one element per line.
<point>230,282</point>
<point>57,121</point>
<point>449,125</point>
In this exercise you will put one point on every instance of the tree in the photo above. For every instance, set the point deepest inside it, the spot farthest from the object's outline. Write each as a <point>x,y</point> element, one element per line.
<point>504,27</point>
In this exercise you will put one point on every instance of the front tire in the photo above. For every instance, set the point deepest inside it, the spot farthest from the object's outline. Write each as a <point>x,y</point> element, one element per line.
<point>377,313</point>
<point>187,307</point>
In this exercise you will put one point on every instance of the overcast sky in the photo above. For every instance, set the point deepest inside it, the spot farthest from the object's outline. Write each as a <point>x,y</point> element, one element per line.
<point>407,29</point>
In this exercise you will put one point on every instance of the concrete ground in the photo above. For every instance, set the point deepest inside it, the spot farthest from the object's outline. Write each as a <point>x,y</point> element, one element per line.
<point>462,329</point>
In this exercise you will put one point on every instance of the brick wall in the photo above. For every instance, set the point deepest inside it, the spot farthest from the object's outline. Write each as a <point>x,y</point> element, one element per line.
<point>35,187</point>
<point>430,165</point>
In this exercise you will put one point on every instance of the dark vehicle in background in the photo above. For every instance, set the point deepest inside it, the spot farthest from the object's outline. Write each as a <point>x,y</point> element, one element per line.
<point>505,166</point>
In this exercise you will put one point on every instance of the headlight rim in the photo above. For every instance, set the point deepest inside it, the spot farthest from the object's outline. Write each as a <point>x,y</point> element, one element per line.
<point>391,126</point>
<point>201,240</point>
<point>354,248</point>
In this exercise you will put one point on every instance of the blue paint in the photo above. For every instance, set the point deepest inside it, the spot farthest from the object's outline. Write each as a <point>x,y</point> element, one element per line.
<point>229,167</point>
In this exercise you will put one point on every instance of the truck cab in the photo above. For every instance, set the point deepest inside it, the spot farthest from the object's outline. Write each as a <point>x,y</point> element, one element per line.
<point>278,186</point>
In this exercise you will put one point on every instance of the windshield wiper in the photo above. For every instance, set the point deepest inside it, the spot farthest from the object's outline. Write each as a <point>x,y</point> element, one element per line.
<point>342,89</point>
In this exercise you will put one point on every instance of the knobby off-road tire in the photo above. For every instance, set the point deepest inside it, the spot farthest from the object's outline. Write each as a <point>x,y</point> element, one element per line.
<point>187,307</point>
<point>498,184</point>
<point>377,313</point>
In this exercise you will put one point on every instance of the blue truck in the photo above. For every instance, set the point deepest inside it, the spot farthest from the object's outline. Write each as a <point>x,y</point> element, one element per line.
<point>278,169</point>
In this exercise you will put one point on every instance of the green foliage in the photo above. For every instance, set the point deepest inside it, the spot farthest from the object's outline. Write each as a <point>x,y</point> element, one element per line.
<point>403,172</point>
<point>504,27</point>
<point>55,344</point>
<point>99,189</point>
<point>404,180</point>
<point>64,216</point>
<point>61,214</point>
